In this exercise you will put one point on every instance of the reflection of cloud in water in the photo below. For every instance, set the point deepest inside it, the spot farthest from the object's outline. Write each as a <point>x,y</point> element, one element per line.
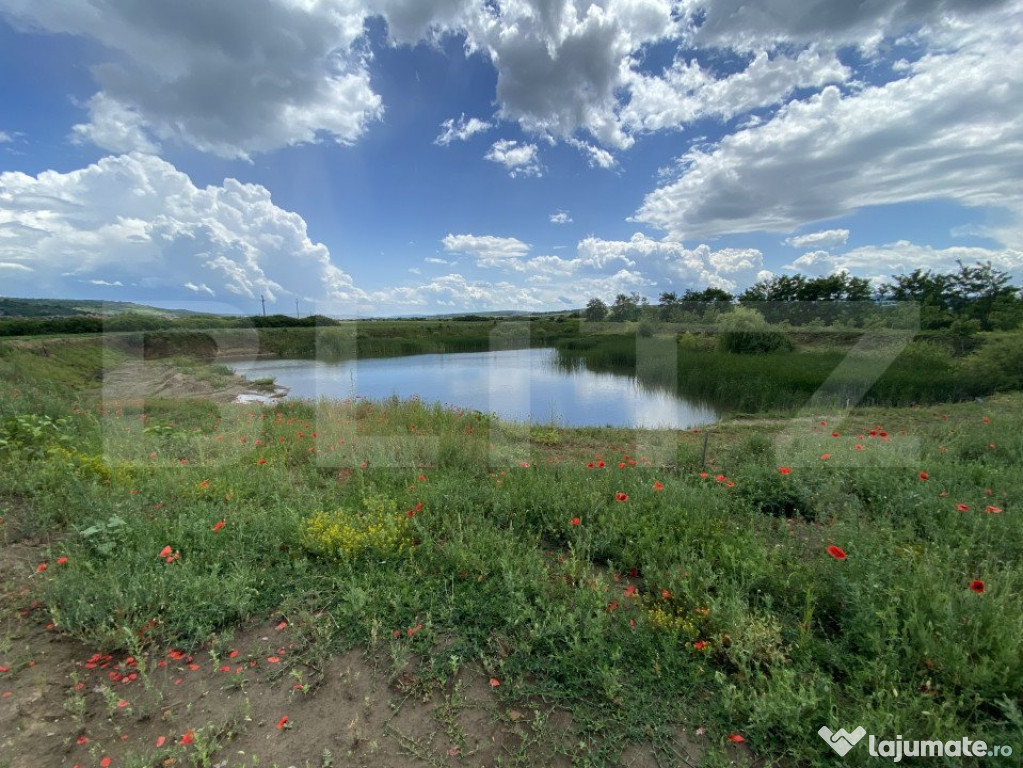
<point>516,384</point>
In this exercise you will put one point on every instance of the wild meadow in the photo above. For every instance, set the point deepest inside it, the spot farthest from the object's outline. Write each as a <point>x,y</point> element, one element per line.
<point>716,595</point>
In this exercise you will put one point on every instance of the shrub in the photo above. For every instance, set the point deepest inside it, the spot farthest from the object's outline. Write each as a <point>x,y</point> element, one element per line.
<point>376,530</point>
<point>744,330</point>
<point>995,367</point>
<point>31,434</point>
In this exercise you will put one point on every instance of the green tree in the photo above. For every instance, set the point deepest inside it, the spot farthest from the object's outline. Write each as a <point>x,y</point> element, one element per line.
<point>668,305</point>
<point>708,296</point>
<point>627,307</point>
<point>975,290</point>
<point>595,311</point>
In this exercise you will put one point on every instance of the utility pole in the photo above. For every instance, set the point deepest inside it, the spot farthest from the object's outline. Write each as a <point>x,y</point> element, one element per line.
<point>297,316</point>
<point>262,298</point>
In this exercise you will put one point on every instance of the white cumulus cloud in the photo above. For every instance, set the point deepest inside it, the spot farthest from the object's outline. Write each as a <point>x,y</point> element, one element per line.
<point>140,219</point>
<point>904,256</point>
<point>519,159</point>
<point>949,129</point>
<point>687,92</point>
<point>460,130</point>
<point>488,250</point>
<point>234,77</point>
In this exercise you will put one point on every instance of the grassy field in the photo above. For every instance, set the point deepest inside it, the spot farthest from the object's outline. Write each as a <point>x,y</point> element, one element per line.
<point>853,568</point>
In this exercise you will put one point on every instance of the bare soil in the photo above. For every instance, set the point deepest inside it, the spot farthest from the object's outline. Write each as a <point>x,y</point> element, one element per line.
<point>139,380</point>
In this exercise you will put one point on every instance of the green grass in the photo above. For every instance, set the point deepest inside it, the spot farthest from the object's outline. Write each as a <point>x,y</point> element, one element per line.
<point>707,603</point>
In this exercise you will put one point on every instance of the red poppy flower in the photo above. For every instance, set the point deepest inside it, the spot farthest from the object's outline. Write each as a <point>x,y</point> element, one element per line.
<point>721,478</point>
<point>421,478</point>
<point>836,552</point>
<point>261,462</point>
<point>41,567</point>
<point>619,496</point>
<point>188,737</point>
<point>494,682</point>
<point>699,645</point>
<point>658,486</point>
<point>612,606</point>
<point>61,561</point>
<point>576,521</point>
<point>282,722</point>
<point>218,525</point>
<point>924,476</point>
<point>825,456</point>
<point>273,660</point>
<point>601,465</point>
<point>82,740</point>
<point>993,510</point>
<point>166,551</point>
<point>736,738</point>
<point>590,465</point>
<point>105,762</point>
<point>977,586</point>
<point>630,591</point>
<point>834,434</point>
<point>160,741</point>
<point>785,470</point>
<point>962,507</point>
<point>665,594</point>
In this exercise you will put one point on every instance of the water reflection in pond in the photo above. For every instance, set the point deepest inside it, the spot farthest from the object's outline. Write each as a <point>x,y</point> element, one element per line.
<point>518,385</point>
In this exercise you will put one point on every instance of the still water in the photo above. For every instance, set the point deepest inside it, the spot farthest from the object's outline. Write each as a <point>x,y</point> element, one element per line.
<point>518,385</point>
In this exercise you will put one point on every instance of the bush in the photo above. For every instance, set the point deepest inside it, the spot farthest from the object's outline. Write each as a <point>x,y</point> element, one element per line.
<point>377,530</point>
<point>995,367</point>
<point>744,330</point>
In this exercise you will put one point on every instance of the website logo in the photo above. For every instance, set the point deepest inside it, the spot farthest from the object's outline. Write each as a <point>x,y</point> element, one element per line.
<point>896,749</point>
<point>842,741</point>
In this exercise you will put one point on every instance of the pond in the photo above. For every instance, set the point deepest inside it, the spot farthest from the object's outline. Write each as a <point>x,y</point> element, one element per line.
<point>517,385</point>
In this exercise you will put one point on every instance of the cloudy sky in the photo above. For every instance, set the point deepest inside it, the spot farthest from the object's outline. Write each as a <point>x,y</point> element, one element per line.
<point>372,157</point>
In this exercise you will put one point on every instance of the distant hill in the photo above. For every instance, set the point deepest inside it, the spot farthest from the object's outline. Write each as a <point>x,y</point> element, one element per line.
<point>43,308</point>
<point>11,307</point>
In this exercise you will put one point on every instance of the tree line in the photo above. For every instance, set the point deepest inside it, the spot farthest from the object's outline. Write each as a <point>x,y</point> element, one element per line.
<point>973,298</point>
<point>136,322</point>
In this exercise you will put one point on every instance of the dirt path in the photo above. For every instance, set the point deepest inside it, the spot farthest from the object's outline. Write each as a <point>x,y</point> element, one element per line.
<point>139,380</point>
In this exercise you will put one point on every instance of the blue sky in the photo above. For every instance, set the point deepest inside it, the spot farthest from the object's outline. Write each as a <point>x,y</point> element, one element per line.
<point>402,157</point>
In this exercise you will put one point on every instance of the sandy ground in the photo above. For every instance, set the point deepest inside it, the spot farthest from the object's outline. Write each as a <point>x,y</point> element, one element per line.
<point>138,379</point>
